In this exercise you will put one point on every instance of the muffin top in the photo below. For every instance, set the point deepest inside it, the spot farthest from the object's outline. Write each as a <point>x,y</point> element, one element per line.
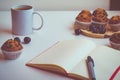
<point>84,16</point>
<point>100,15</point>
<point>100,11</point>
<point>115,19</point>
<point>11,45</point>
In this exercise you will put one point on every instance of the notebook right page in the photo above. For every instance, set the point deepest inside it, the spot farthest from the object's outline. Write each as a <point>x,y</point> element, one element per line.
<point>106,61</point>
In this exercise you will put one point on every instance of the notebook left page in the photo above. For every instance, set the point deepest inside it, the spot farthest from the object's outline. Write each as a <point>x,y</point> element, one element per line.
<point>65,54</point>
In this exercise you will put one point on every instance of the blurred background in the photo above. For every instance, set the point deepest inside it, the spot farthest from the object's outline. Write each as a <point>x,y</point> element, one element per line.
<point>46,5</point>
<point>56,4</point>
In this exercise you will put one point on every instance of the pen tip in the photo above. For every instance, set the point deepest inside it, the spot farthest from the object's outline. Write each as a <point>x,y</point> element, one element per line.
<point>89,58</point>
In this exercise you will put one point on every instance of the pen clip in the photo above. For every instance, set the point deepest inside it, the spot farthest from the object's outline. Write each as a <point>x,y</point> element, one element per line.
<point>89,58</point>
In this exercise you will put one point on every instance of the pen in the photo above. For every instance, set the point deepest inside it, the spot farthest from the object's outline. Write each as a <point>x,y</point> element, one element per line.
<point>90,64</point>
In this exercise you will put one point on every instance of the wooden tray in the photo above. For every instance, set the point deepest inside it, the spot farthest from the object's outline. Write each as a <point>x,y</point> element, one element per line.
<point>107,34</point>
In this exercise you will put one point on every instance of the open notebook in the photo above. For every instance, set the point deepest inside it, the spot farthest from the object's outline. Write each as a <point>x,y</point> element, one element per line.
<point>68,57</point>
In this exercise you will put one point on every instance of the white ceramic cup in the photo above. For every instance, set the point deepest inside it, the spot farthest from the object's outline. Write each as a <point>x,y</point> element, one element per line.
<point>22,20</point>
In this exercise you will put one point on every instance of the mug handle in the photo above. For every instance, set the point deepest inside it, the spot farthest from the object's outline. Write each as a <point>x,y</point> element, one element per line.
<point>41,22</point>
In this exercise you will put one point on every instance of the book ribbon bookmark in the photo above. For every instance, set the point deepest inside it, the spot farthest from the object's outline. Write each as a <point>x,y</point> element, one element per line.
<point>90,65</point>
<point>115,73</point>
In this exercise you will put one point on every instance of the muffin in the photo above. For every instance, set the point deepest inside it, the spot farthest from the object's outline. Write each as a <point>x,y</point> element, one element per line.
<point>100,15</point>
<point>99,21</point>
<point>114,22</point>
<point>83,20</point>
<point>84,16</point>
<point>115,41</point>
<point>11,49</point>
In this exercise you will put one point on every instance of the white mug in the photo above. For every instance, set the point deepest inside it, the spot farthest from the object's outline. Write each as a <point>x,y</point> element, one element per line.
<point>22,20</point>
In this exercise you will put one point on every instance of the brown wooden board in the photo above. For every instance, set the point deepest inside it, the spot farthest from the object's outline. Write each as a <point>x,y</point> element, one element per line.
<point>107,34</point>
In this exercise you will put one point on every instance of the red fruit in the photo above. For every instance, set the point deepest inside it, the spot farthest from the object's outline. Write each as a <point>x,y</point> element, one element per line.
<point>27,40</point>
<point>17,39</point>
<point>77,31</point>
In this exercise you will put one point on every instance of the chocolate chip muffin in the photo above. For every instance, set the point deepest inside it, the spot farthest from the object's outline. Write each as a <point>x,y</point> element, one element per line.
<point>83,20</point>
<point>11,49</point>
<point>114,22</point>
<point>99,21</point>
<point>115,40</point>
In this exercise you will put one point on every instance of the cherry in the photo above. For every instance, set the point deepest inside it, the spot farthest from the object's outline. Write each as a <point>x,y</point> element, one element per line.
<point>77,31</point>
<point>17,39</point>
<point>27,40</point>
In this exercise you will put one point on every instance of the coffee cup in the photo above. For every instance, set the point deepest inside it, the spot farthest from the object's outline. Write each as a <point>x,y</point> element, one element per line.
<point>22,20</point>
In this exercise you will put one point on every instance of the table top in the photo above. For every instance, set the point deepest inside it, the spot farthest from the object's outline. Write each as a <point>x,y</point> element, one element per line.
<point>58,25</point>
